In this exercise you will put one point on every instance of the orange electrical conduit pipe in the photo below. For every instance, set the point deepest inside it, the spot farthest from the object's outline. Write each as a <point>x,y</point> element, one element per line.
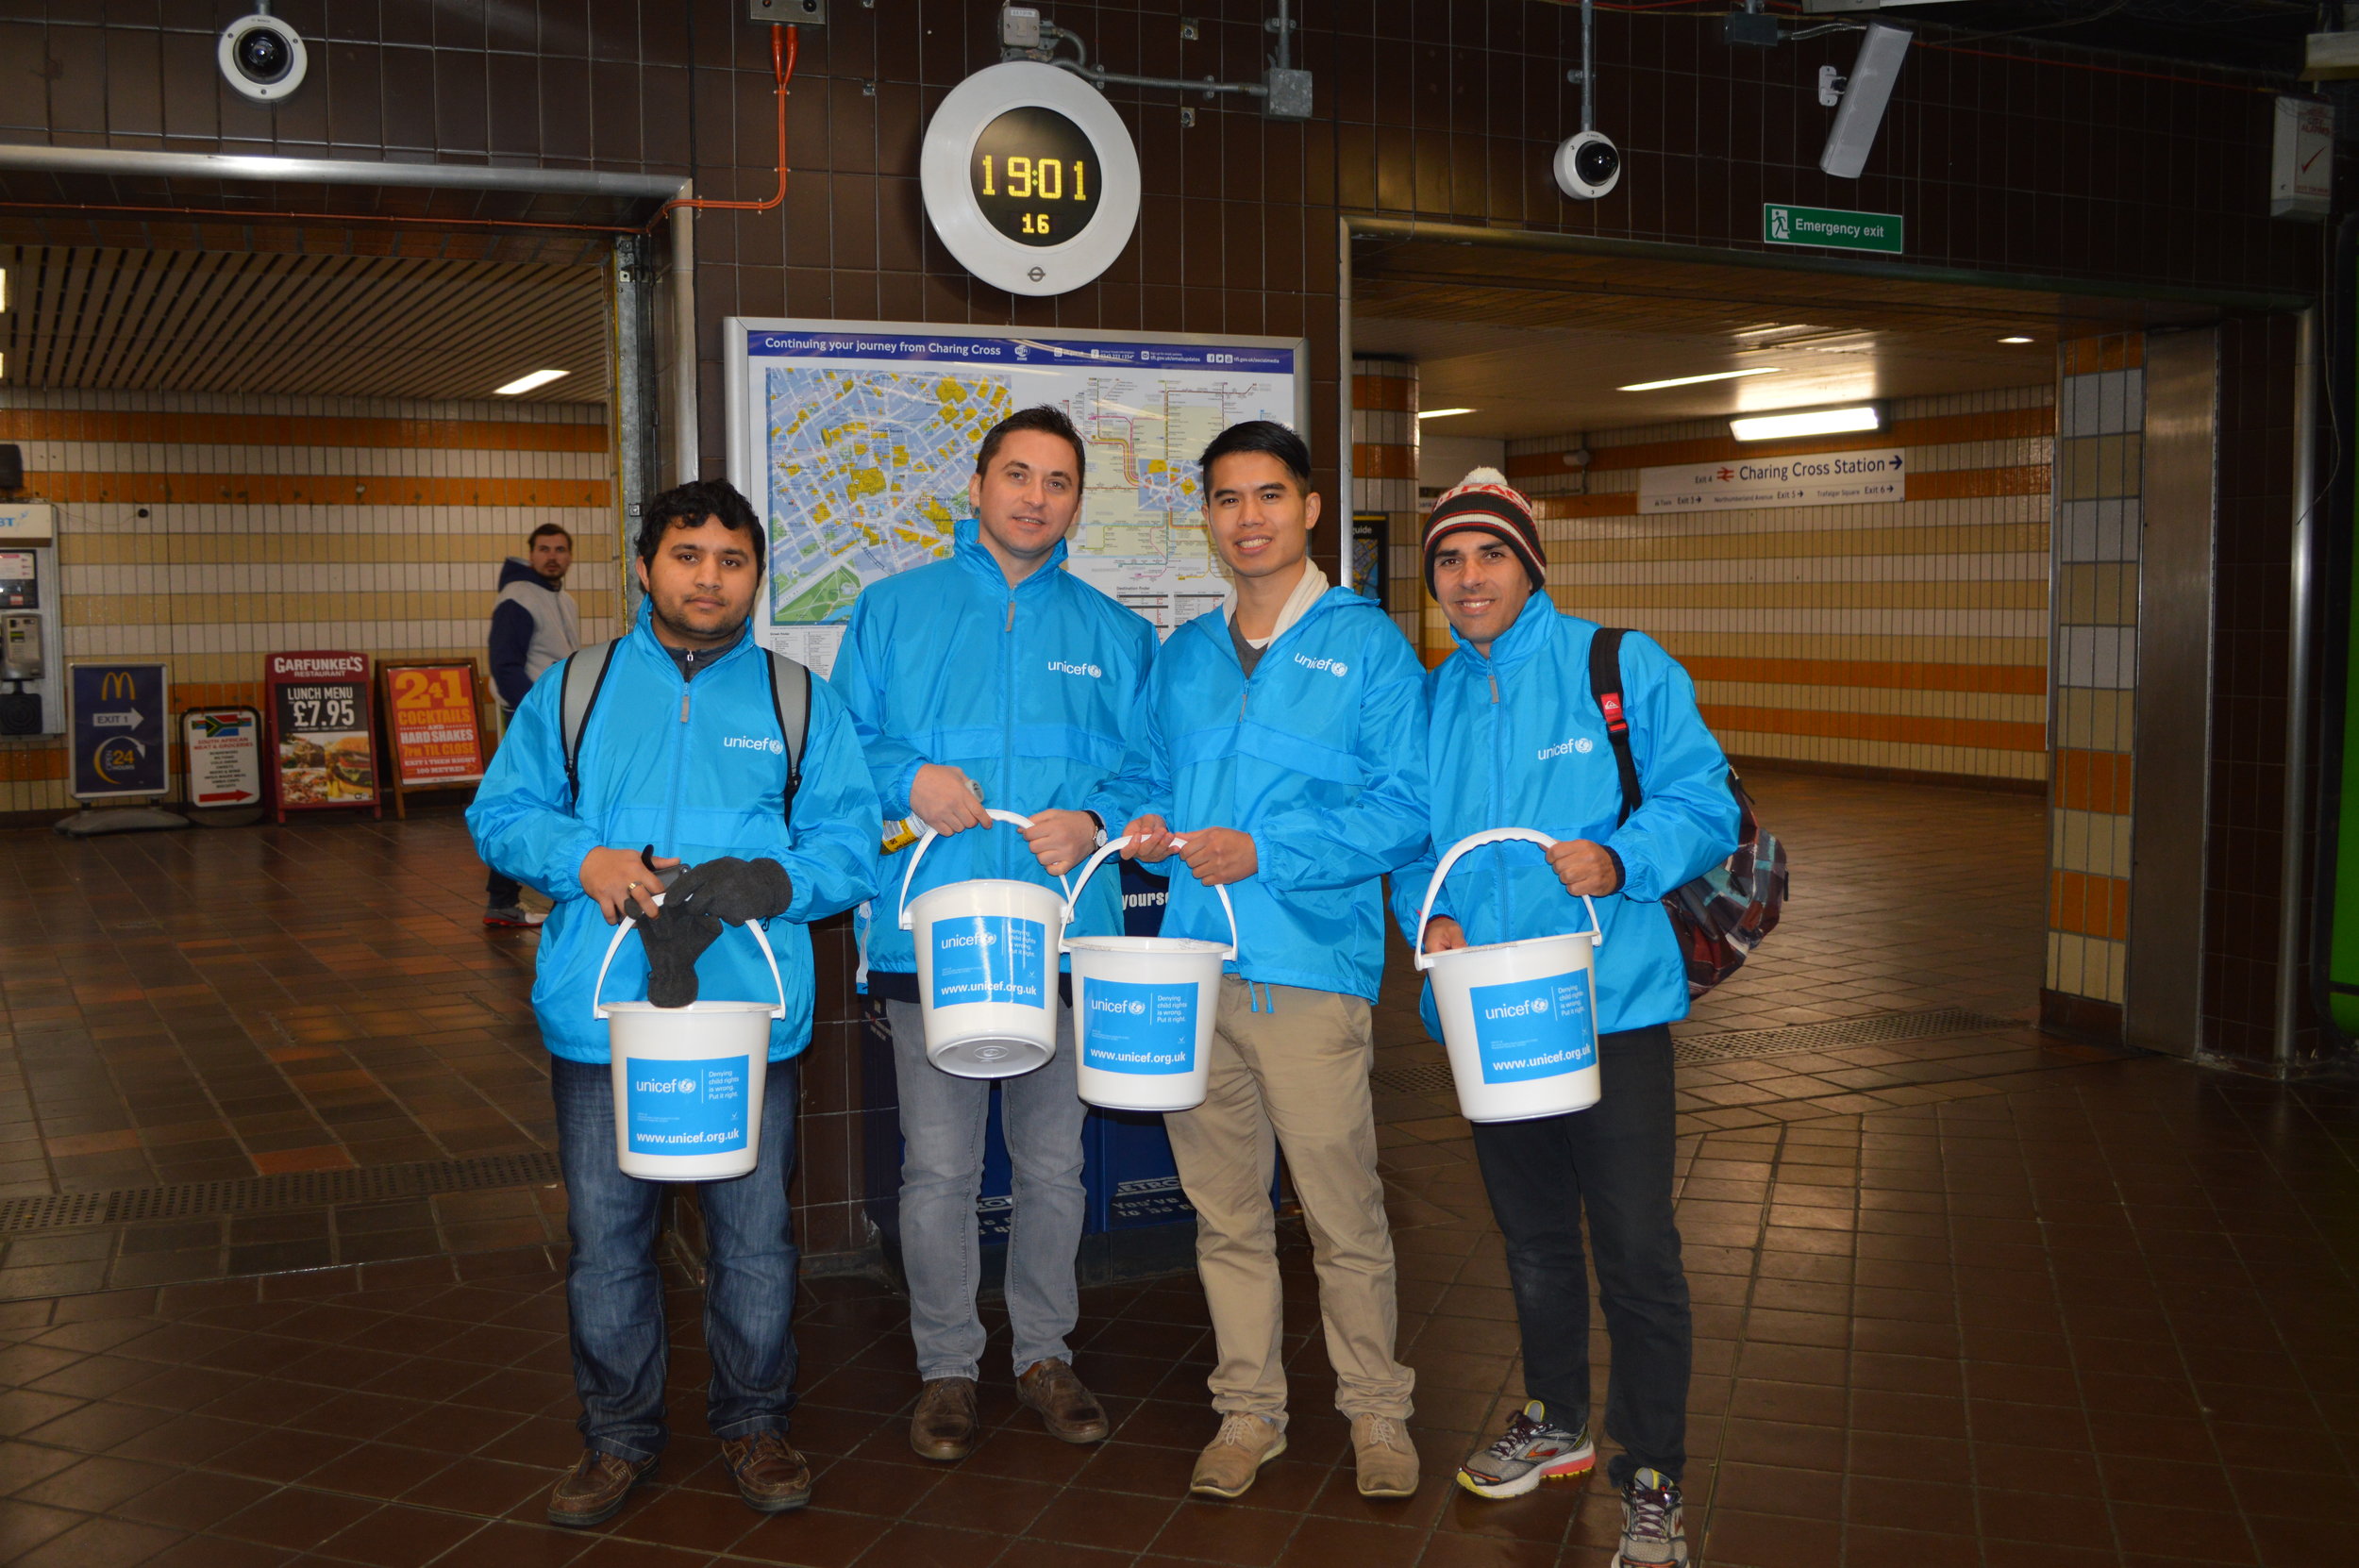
<point>783,49</point>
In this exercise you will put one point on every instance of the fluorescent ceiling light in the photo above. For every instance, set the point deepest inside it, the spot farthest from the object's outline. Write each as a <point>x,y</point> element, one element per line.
<point>1442,413</point>
<point>1810,422</point>
<point>1695,380</point>
<point>525,383</point>
<point>2014,340</point>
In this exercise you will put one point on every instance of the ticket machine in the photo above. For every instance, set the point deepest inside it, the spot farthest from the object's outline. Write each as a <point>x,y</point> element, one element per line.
<point>32,663</point>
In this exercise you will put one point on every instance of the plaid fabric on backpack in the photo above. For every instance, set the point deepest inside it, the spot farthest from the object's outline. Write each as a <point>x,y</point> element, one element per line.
<point>1720,917</point>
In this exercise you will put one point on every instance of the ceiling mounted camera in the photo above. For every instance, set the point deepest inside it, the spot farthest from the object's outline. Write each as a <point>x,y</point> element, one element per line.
<point>262,57</point>
<point>1589,165</point>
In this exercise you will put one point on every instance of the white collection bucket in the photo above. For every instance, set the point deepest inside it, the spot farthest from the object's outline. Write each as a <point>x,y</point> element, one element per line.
<point>986,968</point>
<point>688,1080</point>
<point>1518,1018</point>
<point>1143,1009</point>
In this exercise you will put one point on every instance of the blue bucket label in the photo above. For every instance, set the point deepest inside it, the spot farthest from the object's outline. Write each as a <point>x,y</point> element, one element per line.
<point>686,1106</point>
<point>990,959</point>
<point>1137,1028</point>
<point>1534,1029</point>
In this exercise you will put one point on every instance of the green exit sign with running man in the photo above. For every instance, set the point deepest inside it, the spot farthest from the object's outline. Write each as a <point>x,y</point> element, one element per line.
<point>1833,227</point>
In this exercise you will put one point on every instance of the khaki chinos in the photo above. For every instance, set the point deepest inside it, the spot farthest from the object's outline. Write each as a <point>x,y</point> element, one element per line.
<point>1289,1070</point>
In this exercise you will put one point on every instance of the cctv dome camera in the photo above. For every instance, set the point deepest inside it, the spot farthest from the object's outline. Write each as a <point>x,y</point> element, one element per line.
<point>1589,165</point>
<point>262,57</point>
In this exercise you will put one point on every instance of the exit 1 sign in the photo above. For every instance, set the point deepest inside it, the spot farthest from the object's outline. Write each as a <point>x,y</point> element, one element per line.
<point>1830,226</point>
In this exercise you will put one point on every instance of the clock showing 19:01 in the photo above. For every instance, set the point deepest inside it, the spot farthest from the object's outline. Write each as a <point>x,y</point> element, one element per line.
<point>1030,179</point>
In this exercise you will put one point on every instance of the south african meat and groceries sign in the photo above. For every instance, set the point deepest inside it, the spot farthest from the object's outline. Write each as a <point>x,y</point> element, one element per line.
<point>1818,479</point>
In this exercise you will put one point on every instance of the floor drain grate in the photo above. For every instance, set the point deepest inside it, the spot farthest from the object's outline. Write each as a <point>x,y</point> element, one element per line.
<point>1876,1029</point>
<point>293,1190</point>
<point>1433,1077</point>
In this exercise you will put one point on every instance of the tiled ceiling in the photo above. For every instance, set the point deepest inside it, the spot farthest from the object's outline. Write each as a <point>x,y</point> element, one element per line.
<point>1537,343</point>
<point>295,324</point>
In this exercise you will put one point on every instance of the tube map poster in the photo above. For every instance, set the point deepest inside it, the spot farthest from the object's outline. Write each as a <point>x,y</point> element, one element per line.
<point>855,443</point>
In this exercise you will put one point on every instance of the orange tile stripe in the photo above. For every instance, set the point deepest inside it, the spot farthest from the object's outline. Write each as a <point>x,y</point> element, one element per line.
<point>1940,430</point>
<point>372,490</point>
<point>22,424</point>
<point>2116,351</point>
<point>1372,462</point>
<point>2013,679</point>
<point>1950,485</point>
<point>33,767</point>
<point>1905,728</point>
<point>1393,393</point>
<point>2093,906</point>
<point>2093,781</point>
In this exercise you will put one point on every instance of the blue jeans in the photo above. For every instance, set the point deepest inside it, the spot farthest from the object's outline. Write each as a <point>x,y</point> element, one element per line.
<point>614,1291</point>
<point>942,1121</point>
<point>1613,1163</point>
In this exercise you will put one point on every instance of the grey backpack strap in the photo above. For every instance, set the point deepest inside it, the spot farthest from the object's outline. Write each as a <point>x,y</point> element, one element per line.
<point>790,694</point>
<point>585,674</point>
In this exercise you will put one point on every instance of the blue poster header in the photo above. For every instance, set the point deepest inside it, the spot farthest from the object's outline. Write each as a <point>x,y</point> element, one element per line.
<point>1064,353</point>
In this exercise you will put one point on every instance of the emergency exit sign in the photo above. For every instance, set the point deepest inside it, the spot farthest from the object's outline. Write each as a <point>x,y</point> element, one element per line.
<point>1830,226</point>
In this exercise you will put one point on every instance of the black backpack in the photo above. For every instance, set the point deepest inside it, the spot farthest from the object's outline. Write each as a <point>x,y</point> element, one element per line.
<point>1720,917</point>
<point>585,676</point>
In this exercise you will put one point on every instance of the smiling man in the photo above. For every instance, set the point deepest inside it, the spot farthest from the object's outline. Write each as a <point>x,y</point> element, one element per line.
<point>995,675</point>
<point>1284,734</point>
<point>1517,739</point>
<point>684,747</point>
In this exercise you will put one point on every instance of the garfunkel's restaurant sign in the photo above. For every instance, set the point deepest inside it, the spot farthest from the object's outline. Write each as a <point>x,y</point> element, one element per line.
<point>1812,479</point>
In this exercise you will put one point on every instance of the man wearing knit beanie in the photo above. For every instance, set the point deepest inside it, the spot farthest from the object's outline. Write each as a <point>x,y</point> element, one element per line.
<point>1516,738</point>
<point>1485,502</point>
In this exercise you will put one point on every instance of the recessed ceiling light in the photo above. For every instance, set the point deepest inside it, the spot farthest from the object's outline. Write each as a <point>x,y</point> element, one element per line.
<point>1442,413</point>
<point>525,383</point>
<point>1810,422</point>
<point>1695,380</point>
<point>2014,340</point>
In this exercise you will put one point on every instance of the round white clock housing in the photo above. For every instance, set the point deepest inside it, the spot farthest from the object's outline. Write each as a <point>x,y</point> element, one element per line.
<point>1030,179</point>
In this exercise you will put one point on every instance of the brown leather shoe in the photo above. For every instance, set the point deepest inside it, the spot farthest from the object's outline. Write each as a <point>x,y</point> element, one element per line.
<point>594,1490</point>
<point>771,1476</point>
<point>942,1427</point>
<point>1069,1411</point>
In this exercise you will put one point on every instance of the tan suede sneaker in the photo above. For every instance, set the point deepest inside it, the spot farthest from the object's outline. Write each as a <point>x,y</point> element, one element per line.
<point>1235,1454</point>
<point>1387,1461</point>
<point>595,1488</point>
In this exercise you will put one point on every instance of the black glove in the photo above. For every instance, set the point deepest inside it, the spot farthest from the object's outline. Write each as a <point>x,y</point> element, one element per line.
<point>733,890</point>
<point>674,941</point>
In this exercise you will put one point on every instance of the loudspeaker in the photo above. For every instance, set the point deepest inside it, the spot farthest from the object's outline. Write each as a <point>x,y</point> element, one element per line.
<point>1873,76</point>
<point>20,713</point>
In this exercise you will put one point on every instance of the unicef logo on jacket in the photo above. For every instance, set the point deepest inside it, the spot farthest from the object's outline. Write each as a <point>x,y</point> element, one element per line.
<point>1064,668</point>
<point>1332,666</point>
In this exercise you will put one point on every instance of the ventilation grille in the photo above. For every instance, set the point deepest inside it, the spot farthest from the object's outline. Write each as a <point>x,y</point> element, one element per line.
<point>1743,1044</point>
<point>294,1190</point>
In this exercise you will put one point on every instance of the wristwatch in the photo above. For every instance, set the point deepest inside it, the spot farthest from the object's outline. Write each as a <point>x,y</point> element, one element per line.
<point>1100,842</point>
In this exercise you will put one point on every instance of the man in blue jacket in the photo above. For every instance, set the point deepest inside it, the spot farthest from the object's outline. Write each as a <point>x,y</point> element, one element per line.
<point>1516,740</point>
<point>1285,733</point>
<point>682,751</point>
<point>994,676</point>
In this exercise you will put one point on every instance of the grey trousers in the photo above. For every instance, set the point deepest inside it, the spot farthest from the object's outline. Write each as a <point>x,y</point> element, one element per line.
<point>943,1121</point>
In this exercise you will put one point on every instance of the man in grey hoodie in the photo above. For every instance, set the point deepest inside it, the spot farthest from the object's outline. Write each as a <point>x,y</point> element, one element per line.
<point>535,623</point>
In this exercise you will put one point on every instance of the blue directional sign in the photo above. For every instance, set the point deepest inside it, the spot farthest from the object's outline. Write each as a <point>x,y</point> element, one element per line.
<point>120,748</point>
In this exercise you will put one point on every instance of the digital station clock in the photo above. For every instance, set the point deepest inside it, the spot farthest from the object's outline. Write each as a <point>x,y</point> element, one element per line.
<point>1030,179</point>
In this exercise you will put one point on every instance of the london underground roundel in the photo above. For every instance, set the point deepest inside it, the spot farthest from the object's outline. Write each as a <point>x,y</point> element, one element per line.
<point>1030,179</point>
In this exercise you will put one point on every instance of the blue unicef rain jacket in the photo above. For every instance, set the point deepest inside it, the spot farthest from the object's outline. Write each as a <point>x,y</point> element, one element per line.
<point>1030,691</point>
<point>1516,740</point>
<point>1320,756</point>
<point>698,768</point>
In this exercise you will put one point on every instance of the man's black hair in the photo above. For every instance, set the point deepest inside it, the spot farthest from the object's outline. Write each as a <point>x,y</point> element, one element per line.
<point>535,537</point>
<point>688,506</point>
<point>1259,435</point>
<point>1048,421</point>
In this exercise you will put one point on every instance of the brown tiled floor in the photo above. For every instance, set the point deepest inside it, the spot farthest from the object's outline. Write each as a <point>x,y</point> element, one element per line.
<point>1981,1299</point>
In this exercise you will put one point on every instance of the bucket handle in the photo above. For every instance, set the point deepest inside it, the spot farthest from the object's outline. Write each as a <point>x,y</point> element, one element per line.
<point>919,853</point>
<point>597,1009</point>
<point>1495,835</point>
<point>1113,846</point>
